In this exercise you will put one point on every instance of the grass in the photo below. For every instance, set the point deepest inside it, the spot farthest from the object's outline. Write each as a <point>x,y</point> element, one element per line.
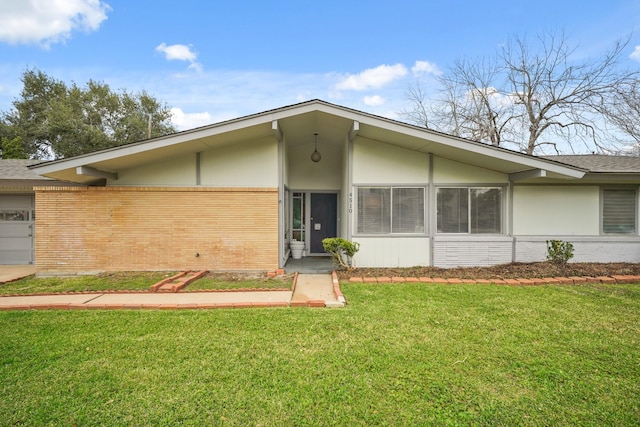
<point>405,354</point>
<point>224,282</point>
<point>134,281</point>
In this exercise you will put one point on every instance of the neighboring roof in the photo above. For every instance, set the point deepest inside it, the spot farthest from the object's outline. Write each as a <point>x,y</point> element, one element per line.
<point>295,123</point>
<point>599,163</point>
<point>15,176</point>
<point>16,169</point>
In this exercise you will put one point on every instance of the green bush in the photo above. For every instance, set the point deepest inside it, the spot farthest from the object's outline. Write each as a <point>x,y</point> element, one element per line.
<point>559,252</point>
<point>342,251</point>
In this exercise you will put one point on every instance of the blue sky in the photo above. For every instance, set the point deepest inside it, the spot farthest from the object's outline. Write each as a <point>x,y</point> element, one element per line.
<point>213,60</point>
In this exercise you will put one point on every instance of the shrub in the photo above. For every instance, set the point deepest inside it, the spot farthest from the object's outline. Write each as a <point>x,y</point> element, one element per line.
<point>559,252</point>
<point>342,251</point>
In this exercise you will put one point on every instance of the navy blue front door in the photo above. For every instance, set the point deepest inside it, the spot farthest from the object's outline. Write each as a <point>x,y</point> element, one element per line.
<point>324,214</point>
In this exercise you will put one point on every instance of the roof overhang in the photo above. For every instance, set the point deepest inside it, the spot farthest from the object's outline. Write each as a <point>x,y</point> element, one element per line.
<point>612,178</point>
<point>295,123</point>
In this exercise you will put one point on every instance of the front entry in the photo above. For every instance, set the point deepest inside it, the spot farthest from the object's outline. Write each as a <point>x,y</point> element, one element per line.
<point>324,214</point>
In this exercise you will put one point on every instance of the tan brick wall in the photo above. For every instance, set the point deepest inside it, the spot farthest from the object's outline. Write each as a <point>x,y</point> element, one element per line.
<point>81,230</point>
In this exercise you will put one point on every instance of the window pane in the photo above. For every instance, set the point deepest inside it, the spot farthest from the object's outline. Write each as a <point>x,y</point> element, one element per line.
<point>14,215</point>
<point>297,213</point>
<point>408,210</point>
<point>619,211</point>
<point>486,208</point>
<point>453,213</point>
<point>374,210</point>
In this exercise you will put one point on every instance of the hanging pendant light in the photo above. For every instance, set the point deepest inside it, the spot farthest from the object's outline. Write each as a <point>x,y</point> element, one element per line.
<point>315,156</point>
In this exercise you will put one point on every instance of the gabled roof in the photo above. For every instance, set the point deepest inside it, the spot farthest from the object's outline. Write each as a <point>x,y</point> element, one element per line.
<point>295,123</point>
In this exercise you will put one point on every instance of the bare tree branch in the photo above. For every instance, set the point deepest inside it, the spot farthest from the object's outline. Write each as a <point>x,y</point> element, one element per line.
<point>536,95</point>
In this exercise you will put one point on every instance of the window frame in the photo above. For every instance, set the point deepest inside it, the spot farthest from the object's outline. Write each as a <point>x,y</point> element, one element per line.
<point>391,188</point>
<point>635,207</point>
<point>502,224</point>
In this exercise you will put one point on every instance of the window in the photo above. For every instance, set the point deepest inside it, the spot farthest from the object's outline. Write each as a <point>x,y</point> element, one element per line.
<point>298,216</point>
<point>390,210</point>
<point>14,215</point>
<point>619,211</point>
<point>476,210</point>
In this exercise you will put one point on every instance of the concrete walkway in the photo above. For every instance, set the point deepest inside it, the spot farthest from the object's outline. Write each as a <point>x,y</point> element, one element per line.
<point>311,290</point>
<point>317,290</point>
<point>9,273</point>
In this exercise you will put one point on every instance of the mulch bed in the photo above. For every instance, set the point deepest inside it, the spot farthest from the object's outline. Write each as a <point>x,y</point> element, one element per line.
<point>504,271</point>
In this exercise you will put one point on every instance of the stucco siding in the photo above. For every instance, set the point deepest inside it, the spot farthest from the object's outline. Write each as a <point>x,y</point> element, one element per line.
<point>249,164</point>
<point>180,170</point>
<point>472,251</point>
<point>323,175</point>
<point>556,210</point>
<point>91,229</point>
<point>447,171</point>
<point>379,163</point>
<point>392,252</point>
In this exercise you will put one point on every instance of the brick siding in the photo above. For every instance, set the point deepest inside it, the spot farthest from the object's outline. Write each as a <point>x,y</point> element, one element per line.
<point>81,230</point>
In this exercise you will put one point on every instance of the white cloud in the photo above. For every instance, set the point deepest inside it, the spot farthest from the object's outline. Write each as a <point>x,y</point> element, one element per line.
<point>635,54</point>
<point>216,95</point>
<point>180,52</point>
<point>373,101</point>
<point>182,120</point>
<point>425,67</point>
<point>48,21</point>
<point>372,78</point>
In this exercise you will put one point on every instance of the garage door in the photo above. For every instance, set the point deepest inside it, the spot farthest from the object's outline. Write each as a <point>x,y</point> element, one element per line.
<point>16,229</point>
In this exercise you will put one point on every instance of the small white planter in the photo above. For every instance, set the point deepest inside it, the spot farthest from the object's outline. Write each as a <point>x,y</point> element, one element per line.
<point>297,248</point>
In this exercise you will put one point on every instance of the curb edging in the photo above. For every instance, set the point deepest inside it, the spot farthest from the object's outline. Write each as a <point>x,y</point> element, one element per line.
<point>573,280</point>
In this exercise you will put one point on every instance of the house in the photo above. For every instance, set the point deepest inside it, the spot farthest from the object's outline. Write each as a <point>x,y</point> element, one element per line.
<point>232,196</point>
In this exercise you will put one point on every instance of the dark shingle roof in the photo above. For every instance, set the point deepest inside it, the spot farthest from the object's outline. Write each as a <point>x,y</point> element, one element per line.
<point>600,163</point>
<point>16,169</point>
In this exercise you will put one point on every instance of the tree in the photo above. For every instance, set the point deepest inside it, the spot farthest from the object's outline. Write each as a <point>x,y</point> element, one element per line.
<point>622,110</point>
<point>55,120</point>
<point>12,148</point>
<point>529,98</point>
<point>471,106</point>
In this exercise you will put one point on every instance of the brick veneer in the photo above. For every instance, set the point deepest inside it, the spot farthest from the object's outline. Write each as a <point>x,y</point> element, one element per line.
<point>88,229</point>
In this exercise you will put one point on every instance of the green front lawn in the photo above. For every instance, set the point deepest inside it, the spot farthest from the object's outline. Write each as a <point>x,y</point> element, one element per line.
<point>214,281</point>
<point>407,354</point>
<point>137,281</point>
<point>128,281</point>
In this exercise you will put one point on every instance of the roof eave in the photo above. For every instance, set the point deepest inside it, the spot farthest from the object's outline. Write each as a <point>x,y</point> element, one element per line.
<point>427,136</point>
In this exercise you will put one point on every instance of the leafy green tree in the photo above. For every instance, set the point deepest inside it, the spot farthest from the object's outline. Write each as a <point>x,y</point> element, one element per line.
<point>52,119</point>
<point>12,148</point>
